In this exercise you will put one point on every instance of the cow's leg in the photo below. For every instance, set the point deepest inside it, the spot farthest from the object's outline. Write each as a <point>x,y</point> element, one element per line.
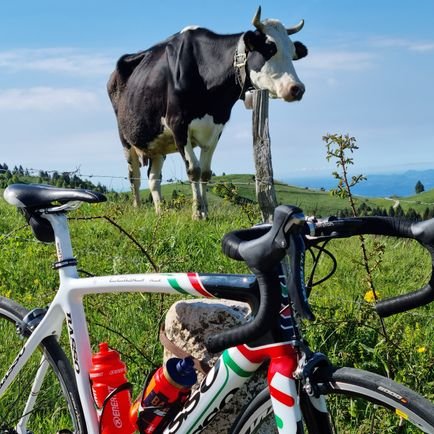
<point>154,179</point>
<point>205,165</point>
<point>183,143</point>
<point>133,173</point>
<point>193,172</point>
<point>206,154</point>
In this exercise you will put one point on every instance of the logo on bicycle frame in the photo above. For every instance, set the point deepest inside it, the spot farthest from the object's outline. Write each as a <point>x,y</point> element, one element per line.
<point>73,343</point>
<point>194,399</point>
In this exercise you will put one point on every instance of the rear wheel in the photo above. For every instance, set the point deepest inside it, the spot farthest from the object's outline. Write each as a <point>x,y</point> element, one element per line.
<point>57,406</point>
<point>358,402</point>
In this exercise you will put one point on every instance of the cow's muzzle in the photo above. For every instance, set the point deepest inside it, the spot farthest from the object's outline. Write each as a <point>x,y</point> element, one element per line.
<point>294,93</point>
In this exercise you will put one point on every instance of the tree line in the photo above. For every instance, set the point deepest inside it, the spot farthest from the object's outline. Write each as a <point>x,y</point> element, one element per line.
<point>393,211</point>
<point>18,174</point>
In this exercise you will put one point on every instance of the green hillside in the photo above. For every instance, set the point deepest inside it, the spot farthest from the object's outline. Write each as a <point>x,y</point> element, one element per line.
<point>424,198</point>
<point>311,201</point>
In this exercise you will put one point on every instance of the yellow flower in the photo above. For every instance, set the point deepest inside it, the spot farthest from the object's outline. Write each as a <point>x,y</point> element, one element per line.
<point>421,349</point>
<point>370,296</point>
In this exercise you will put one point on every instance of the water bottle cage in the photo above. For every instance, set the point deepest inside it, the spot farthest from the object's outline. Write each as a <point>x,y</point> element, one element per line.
<point>121,388</point>
<point>169,411</point>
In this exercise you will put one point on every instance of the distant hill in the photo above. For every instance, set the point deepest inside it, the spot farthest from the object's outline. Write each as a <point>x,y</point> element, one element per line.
<point>311,201</point>
<point>376,185</point>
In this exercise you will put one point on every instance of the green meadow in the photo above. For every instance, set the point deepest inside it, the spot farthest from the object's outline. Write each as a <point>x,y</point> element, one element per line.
<point>346,327</point>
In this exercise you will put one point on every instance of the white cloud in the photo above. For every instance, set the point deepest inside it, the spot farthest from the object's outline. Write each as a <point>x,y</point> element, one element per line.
<point>64,151</point>
<point>407,44</point>
<point>343,60</point>
<point>423,47</point>
<point>57,60</point>
<point>46,98</point>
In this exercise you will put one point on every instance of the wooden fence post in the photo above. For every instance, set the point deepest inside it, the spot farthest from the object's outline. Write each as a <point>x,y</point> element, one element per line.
<point>265,193</point>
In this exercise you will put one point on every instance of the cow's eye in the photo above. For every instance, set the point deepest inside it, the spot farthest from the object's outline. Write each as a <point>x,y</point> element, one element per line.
<point>271,49</point>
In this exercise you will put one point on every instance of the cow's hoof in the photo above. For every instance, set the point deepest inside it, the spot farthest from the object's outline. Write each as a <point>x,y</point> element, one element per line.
<point>199,215</point>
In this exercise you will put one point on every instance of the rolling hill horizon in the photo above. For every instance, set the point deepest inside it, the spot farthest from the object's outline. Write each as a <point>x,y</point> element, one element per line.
<point>376,185</point>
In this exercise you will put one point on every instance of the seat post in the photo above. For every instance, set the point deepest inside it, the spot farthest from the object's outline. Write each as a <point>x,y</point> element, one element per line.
<point>67,264</point>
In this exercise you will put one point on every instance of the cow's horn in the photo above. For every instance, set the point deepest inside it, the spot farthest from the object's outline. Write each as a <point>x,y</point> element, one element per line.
<point>296,28</point>
<point>257,20</point>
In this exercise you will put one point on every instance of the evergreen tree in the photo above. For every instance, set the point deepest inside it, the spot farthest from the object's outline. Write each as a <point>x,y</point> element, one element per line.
<point>419,187</point>
<point>412,215</point>
<point>399,212</point>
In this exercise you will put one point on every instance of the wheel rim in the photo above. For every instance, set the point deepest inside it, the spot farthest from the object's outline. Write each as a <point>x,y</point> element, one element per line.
<point>51,411</point>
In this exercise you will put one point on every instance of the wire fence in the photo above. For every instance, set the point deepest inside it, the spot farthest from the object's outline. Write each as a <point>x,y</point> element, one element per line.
<point>278,186</point>
<point>33,172</point>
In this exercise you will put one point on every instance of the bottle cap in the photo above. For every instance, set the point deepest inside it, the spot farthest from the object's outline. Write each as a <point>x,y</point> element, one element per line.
<point>182,371</point>
<point>106,357</point>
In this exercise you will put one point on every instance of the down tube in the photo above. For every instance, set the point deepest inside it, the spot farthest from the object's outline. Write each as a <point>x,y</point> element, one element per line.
<point>230,372</point>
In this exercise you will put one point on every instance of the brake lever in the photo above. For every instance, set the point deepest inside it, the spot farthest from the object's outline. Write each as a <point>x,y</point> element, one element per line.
<point>296,285</point>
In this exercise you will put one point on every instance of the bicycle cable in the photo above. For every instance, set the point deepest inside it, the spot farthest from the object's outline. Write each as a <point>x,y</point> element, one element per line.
<point>310,283</point>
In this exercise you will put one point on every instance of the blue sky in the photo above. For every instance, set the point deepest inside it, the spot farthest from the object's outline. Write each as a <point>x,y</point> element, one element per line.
<point>369,73</point>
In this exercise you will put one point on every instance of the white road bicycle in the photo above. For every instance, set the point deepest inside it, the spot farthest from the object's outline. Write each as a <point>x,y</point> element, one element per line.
<point>42,392</point>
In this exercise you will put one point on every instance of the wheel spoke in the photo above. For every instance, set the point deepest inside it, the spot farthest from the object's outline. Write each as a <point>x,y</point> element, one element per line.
<point>35,401</point>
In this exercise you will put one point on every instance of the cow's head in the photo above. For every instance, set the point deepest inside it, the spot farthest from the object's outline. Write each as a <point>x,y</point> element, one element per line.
<point>271,55</point>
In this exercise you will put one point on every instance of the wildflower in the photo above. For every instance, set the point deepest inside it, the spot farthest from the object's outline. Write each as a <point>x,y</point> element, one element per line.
<point>370,296</point>
<point>421,350</point>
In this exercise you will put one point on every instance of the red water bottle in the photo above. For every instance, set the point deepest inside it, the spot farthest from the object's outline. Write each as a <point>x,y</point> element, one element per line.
<point>168,388</point>
<point>107,374</point>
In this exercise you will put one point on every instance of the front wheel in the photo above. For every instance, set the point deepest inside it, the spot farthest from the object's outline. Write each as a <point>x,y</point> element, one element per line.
<point>56,406</point>
<point>358,402</point>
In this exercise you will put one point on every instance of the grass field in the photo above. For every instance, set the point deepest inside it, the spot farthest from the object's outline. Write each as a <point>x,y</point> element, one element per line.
<point>346,327</point>
<point>312,201</point>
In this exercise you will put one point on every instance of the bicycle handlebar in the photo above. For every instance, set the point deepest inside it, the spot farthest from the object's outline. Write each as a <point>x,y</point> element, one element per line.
<point>263,247</point>
<point>421,231</point>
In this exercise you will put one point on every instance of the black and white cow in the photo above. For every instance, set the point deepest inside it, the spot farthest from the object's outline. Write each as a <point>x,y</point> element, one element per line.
<point>179,94</point>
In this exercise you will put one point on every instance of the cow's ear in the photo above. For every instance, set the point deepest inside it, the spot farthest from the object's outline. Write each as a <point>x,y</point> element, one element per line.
<point>251,40</point>
<point>300,50</point>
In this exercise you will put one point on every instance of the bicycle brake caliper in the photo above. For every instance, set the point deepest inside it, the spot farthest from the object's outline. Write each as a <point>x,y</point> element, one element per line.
<point>306,367</point>
<point>31,321</point>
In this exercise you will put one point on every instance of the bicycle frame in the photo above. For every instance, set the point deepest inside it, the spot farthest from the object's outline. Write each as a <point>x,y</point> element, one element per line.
<point>234,367</point>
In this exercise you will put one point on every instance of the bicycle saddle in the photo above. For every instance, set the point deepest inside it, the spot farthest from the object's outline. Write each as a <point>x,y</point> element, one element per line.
<point>44,196</point>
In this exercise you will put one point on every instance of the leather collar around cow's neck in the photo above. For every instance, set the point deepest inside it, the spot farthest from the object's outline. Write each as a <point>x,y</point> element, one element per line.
<point>240,65</point>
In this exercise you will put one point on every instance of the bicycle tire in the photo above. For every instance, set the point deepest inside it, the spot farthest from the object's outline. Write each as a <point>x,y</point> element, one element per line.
<point>57,407</point>
<point>359,402</point>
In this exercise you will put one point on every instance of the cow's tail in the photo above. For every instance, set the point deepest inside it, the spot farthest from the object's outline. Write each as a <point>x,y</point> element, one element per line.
<point>113,89</point>
<point>119,77</point>
<point>127,64</point>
